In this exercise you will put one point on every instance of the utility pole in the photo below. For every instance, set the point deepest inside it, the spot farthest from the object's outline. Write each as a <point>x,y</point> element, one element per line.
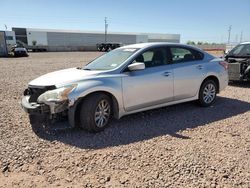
<point>5,27</point>
<point>106,28</point>
<point>241,36</point>
<point>229,33</point>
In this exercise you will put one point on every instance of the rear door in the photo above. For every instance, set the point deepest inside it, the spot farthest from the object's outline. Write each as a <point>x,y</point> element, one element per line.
<point>151,86</point>
<point>188,69</point>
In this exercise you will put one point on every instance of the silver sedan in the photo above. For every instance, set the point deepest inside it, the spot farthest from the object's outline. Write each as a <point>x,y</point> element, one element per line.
<point>127,80</point>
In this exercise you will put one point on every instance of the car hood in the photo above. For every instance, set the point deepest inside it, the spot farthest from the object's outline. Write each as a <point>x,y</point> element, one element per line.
<point>63,77</point>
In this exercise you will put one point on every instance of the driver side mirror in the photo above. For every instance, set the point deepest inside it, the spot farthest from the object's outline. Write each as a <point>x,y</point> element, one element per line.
<point>136,66</point>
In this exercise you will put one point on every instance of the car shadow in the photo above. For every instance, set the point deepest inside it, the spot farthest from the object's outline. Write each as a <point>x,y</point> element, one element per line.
<point>245,84</point>
<point>146,125</point>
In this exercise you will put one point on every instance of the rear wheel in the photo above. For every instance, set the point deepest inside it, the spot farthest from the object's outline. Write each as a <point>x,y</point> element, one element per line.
<point>95,112</point>
<point>207,93</point>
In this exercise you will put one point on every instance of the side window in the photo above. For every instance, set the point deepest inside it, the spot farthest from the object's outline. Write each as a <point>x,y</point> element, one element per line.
<point>148,56</point>
<point>154,57</point>
<point>180,55</point>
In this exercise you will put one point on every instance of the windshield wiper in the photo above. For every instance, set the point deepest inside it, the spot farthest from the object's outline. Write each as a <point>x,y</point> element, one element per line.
<point>80,68</point>
<point>86,69</point>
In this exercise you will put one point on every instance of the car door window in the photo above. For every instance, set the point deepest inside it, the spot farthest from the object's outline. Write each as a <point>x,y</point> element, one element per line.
<point>152,58</point>
<point>180,55</point>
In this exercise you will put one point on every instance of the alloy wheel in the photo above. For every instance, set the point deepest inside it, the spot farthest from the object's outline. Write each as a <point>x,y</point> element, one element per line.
<point>102,113</point>
<point>209,93</point>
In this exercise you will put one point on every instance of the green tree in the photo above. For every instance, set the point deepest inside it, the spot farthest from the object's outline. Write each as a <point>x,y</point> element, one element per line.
<point>190,42</point>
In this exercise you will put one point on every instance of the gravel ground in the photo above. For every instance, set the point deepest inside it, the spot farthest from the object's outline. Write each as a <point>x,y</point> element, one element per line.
<point>177,146</point>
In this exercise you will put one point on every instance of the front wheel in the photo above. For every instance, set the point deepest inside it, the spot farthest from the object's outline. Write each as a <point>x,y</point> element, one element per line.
<point>207,93</point>
<point>95,112</point>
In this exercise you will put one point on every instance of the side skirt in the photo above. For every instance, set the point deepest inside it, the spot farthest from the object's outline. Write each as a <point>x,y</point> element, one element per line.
<point>124,113</point>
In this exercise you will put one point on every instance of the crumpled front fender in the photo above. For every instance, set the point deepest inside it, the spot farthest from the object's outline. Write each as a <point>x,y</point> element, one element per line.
<point>111,86</point>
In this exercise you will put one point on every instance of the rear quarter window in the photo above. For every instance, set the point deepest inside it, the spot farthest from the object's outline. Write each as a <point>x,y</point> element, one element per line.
<point>182,54</point>
<point>198,55</point>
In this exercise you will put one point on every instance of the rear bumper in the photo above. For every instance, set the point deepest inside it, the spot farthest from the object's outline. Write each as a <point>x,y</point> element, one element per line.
<point>34,108</point>
<point>223,79</point>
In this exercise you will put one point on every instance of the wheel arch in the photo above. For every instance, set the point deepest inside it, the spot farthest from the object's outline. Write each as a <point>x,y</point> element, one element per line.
<point>215,79</point>
<point>74,112</point>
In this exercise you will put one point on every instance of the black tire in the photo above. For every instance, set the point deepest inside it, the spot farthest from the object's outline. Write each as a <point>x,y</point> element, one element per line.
<point>204,99</point>
<point>89,109</point>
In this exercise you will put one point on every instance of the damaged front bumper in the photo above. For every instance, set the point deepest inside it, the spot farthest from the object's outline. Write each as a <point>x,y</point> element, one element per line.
<point>49,108</point>
<point>34,108</point>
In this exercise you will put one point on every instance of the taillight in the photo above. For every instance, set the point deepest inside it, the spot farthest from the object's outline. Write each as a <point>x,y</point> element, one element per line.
<point>224,64</point>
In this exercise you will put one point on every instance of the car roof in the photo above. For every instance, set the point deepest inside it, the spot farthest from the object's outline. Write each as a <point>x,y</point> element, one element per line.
<point>155,44</point>
<point>148,44</point>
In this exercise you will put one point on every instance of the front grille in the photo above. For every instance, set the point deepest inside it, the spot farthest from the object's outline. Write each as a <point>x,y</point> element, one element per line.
<point>35,92</point>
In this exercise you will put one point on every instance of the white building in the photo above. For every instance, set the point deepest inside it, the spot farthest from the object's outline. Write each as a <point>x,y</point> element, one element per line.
<point>67,40</point>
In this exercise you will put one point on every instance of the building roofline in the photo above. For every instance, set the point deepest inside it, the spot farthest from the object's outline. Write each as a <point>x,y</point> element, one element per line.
<point>98,32</point>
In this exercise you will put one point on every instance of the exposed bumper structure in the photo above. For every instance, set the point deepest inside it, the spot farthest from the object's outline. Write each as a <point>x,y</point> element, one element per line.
<point>34,108</point>
<point>239,70</point>
<point>234,71</point>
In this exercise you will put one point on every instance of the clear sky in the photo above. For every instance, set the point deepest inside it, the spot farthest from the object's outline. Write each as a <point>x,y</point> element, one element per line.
<point>198,20</point>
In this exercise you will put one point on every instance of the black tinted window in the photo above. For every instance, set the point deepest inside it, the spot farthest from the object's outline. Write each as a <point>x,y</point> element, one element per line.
<point>240,50</point>
<point>180,55</point>
<point>154,57</point>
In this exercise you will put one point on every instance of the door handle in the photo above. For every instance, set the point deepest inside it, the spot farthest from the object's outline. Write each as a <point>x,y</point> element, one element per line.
<point>166,74</point>
<point>199,67</point>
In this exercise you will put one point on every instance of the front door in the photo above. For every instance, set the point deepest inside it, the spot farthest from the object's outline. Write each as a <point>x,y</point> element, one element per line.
<point>151,86</point>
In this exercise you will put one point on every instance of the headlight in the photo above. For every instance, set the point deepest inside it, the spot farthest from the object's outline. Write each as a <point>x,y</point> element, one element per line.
<point>56,95</point>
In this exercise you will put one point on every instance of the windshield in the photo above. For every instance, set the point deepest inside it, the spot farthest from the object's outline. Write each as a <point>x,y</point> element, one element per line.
<point>111,60</point>
<point>240,50</point>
